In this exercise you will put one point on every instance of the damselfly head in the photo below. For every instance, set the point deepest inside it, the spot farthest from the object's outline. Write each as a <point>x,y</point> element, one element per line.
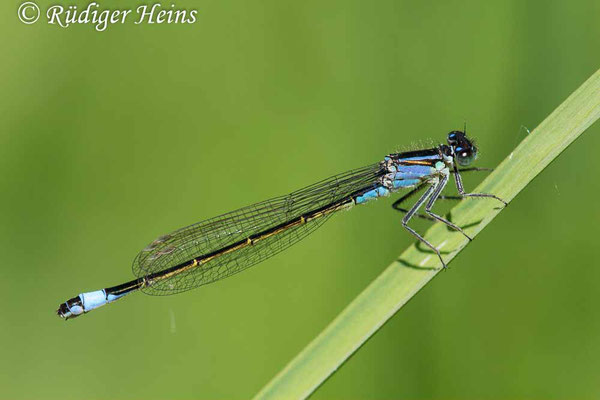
<point>464,150</point>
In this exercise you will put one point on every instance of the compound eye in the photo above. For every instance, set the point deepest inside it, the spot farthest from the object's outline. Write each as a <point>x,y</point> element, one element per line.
<point>465,158</point>
<point>454,137</point>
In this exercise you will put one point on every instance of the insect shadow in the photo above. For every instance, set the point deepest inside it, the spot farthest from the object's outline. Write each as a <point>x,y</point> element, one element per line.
<point>414,266</point>
<point>424,249</point>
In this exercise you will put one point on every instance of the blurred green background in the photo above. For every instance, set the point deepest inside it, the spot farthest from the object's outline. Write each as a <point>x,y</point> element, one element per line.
<point>108,140</point>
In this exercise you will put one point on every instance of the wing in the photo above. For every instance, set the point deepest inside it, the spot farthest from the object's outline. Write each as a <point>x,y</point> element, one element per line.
<point>217,233</point>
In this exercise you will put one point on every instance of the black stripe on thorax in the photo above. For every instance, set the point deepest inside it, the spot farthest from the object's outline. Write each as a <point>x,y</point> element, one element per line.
<point>417,153</point>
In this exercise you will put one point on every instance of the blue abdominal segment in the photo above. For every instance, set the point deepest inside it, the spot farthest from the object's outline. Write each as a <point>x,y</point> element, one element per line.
<point>89,301</point>
<point>406,183</point>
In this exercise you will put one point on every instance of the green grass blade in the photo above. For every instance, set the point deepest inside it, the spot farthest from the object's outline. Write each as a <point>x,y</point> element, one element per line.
<point>414,268</point>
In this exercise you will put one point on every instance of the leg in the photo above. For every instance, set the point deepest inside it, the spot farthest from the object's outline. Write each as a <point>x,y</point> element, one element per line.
<point>461,189</point>
<point>410,214</point>
<point>438,189</point>
<point>475,169</point>
<point>470,169</point>
<point>396,205</point>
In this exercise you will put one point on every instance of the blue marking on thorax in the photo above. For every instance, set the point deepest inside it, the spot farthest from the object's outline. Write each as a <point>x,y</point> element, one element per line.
<point>413,171</point>
<point>431,157</point>
<point>404,183</point>
<point>372,194</point>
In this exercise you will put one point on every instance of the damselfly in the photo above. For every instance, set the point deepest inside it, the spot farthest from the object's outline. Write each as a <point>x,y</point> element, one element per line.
<point>225,245</point>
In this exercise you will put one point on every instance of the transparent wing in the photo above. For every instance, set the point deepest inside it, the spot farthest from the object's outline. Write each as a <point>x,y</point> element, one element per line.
<point>217,233</point>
